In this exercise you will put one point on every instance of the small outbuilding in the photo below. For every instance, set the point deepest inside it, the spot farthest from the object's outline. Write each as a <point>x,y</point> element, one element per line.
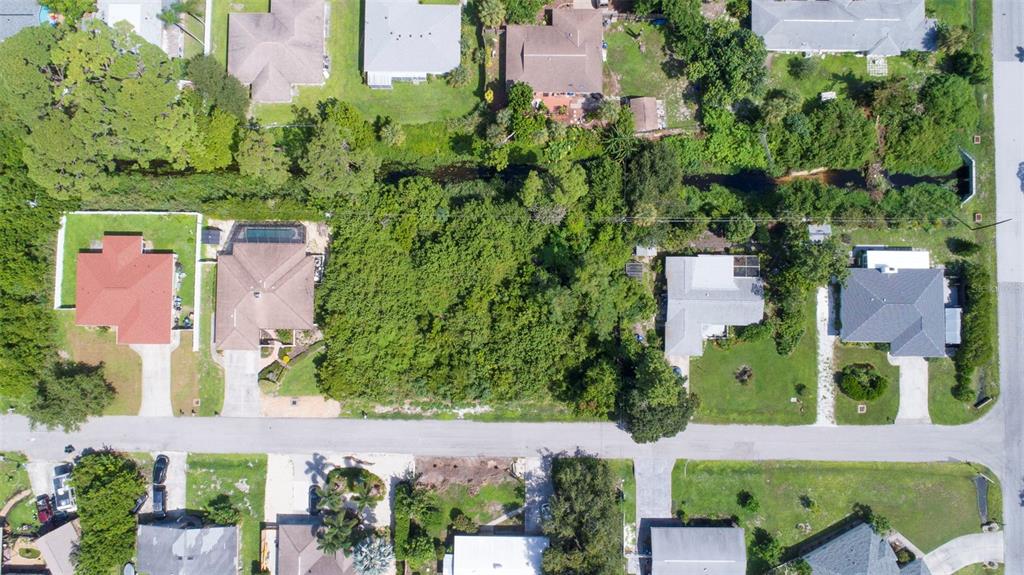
<point>648,114</point>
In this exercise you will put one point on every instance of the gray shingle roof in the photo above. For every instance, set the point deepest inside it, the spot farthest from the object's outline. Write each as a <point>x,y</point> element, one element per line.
<point>859,551</point>
<point>905,309</point>
<point>16,15</point>
<point>698,551</point>
<point>562,57</point>
<point>917,567</point>
<point>271,52</point>
<point>404,38</point>
<point>702,291</point>
<point>170,550</point>
<point>875,27</point>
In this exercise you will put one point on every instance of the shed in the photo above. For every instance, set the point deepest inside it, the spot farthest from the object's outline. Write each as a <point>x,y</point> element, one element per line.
<point>211,236</point>
<point>819,232</point>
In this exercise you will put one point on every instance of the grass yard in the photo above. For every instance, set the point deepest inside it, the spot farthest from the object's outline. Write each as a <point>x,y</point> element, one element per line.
<point>942,406</point>
<point>196,28</point>
<point>936,240</point>
<point>243,479</point>
<point>881,410</point>
<point>929,503</point>
<point>122,367</point>
<point>978,569</point>
<point>766,399</point>
<point>632,71</point>
<point>219,33</point>
<point>211,375</point>
<point>406,103</point>
<point>843,73</point>
<point>489,503</point>
<point>300,376</point>
<point>622,470</point>
<point>164,232</point>
<point>13,480</point>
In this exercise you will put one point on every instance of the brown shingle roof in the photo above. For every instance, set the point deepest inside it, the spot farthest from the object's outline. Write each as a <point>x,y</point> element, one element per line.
<point>262,286</point>
<point>274,51</point>
<point>297,553</point>
<point>563,57</point>
<point>126,288</point>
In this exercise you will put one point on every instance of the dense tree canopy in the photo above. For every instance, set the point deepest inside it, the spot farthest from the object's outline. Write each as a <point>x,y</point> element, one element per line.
<point>584,527</point>
<point>106,485</point>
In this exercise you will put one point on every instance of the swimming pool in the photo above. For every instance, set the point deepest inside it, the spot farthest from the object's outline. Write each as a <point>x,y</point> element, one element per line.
<point>272,235</point>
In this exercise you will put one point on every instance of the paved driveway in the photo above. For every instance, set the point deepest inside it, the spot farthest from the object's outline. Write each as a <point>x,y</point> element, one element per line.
<point>963,551</point>
<point>156,379</point>
<point>913,389</point>
<point>241,383</point>
<point>537,476</point>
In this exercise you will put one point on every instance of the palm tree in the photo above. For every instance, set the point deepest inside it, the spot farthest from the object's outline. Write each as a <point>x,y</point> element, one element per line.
<point>336,534</point>
<point>330,498</point>
<point>362,494</point>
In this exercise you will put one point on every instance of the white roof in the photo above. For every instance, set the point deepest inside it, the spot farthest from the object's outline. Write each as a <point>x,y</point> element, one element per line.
<point>897,259</point>
<point>707,290</point>
<point>497,555</point>
<point>403,38</point>
<point>143,15</point>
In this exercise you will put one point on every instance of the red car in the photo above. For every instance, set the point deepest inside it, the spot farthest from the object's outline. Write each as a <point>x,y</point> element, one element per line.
<point>43,509</point>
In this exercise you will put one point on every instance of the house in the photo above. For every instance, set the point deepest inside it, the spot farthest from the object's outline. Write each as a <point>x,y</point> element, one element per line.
<point>142,15</point>
<point>896,298</point>
<point>404,40</point>
<point>273,52</point>
<point>298,553</point>
<point>495,555</point>
<point>707,293</point>
<point>127,288</point>
<point>171,550</point>
<point>648,114</point>
<point>16,15</point>
<point>859,551</point>
<point>262,286</point>
<point>57,546</point>
<point>563,58</point>
<point>871,27</point>
<point>698,551</point>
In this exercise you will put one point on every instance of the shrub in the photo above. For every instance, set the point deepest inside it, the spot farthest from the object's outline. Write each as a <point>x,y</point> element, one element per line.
<point>220,511</point>
<point>463,524</point>
<point>962,247</point>
<point>372,556</point>
<point>963,392</point>
<point>862,382</point>
<point>747,501</point>
<point>458,77</point>
<point>766,547</point>
<point>420,550</point>
<point>744,375</point>
<point>977,344</point>
<point>801,68</point>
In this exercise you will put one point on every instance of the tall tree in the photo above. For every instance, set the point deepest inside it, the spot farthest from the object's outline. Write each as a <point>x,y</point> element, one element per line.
<point>584,525</point>
<point>69,395</point>
<point>259,158</point>
<point>106,485</point>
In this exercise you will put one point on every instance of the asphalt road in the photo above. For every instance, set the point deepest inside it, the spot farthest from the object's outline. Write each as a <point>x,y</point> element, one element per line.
<point>1008,80</point>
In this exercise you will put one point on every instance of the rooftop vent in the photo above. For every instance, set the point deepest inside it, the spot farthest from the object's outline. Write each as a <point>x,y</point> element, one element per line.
<point>256,294</point>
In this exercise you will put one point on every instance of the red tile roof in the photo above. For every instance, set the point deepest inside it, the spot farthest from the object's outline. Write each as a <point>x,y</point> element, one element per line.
<point>126,288</point>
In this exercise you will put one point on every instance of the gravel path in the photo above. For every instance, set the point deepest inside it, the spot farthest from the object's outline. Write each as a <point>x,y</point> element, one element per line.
<point>826,360</point>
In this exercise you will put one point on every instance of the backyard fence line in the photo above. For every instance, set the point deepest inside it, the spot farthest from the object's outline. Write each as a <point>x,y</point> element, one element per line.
<point>197,300</point>
<point>58,276</point>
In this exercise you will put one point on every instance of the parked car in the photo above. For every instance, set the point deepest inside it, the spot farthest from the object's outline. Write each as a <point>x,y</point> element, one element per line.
<point>159,501</point>
<point>314,500</point>
<point>140,502</point>
<point>160,469</point>
<point>44,511</point>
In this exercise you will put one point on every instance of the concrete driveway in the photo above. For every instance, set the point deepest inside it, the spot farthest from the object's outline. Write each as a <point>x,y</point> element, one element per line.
<point>913,389</point>
<point>241,383</point>
<point>156,379</point>
<point>537,477</point>
<point>963,551</point>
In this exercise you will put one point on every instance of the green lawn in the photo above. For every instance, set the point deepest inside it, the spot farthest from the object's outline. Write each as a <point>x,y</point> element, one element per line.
<point>942,406</point>
<point>843,73</point>
<point>243,479</point>
<point>166,232</point>
<point>622,470</point>
<point>637,72</point>
<point>978,569</point>
<point>122,367</point>
<point>488,503</point>
<point>929,503</point>
<point>13,480</point>
<point>195,27</point>
<point>766,399</point>
<point>406,103</point>
<point>219,33</point>
<point>880,411</point>
<point>211,376</point>
<point>300,376</point>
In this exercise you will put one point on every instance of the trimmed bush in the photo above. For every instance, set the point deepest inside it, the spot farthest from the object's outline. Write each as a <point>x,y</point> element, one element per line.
<point>862,382</point>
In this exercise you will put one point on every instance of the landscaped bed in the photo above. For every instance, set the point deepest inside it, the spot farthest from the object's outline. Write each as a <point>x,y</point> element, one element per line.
<point>176,233</point>
<point>299,378</point>
<point>767,397</point>
<point>243,479</point>
<point>880,410</point>
<point>929,503</point>
<point>14,480</point>
<point>406,103</point>
<point>122,367</point>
